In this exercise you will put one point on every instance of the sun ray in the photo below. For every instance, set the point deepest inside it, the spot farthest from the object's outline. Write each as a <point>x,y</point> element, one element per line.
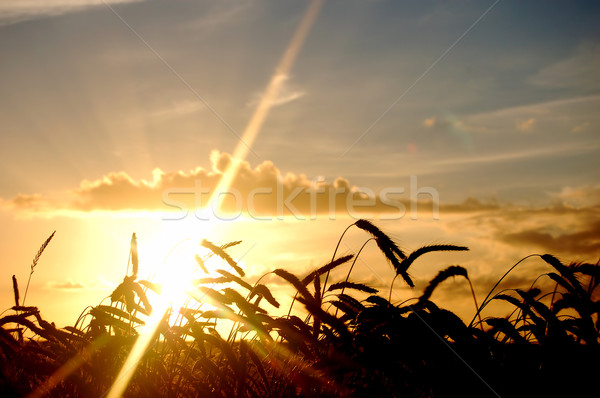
<point>266,102</point>
<point>240,153</point>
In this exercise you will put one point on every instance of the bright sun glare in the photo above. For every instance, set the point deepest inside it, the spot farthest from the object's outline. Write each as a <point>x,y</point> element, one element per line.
<point>179,278</point>
<point>172,260</point>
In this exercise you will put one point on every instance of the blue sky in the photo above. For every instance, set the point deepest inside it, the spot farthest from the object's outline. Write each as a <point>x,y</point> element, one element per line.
<point>84,96</point>
<point>493,101</point>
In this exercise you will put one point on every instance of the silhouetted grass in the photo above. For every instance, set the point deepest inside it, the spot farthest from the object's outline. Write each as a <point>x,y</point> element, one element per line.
<point>348,345</point>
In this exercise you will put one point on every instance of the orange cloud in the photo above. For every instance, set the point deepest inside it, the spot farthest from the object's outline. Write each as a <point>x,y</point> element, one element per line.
<point>526,125</point>
<point>262,191</point>
<point>582,196</point>
<point>430,122</point>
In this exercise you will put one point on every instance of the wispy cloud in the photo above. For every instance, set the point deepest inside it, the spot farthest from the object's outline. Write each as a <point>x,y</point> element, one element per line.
<point>178,109</point>
<point>552,115</point>
<point>526,125</point>
<point>541,108</point>
<point>580,127</point>
<point>287,93</point>
<point>527,154</point>
<point>580,70</point>
<point>69,285</point>
<point>220,13</point>
<point>14,11</point>
<point>75,286</point>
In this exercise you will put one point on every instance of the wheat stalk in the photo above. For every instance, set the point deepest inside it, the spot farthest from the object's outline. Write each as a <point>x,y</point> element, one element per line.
<point>16,290</point>
<point>387,246</point>
<point>453,270</point>
<point>221,253</point>
<point>35,261</point>
<point>133,254</point>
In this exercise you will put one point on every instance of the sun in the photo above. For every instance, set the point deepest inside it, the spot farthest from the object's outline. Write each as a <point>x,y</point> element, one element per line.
<point>176,274</point>
<point>169,259</point>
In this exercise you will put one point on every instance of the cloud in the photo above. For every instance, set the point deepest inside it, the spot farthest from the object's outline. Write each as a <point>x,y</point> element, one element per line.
<point>526,125</point>
<point>70,285</point>
<point>582,242</point>
<point>286,92</point>
<point>580,70</point>
<point>469,205</point>
<point>508,156</point>
<point>66,285</point>
<point>558,229</point>
<point>550,116</point>
<point>411,147</point>
<point>447,122</point>
<point>264,192</point>
<point>580,127</point>
<point>15,11</point>
<point>430,122</point>
<point>259,191</point>
<point>582,196</point>
<point>178,109</point>
<point>35,202</point>
<point>219,14</point>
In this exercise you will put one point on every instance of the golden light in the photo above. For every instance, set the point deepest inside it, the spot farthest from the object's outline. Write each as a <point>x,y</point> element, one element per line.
<point>175,272</point>
<point>175,275</point>
<point>169,258</point>
<point>250,133</point>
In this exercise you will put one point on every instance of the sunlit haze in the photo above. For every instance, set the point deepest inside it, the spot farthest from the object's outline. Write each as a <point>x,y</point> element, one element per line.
<point>279,124</point>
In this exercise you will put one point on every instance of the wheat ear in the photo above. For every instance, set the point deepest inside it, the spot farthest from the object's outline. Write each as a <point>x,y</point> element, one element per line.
<point>35,261</point>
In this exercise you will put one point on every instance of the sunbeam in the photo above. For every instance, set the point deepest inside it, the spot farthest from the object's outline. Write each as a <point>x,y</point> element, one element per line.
<point>249,136</point>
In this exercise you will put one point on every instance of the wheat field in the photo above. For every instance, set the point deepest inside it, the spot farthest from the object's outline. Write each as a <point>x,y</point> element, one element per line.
<point>234,339</point>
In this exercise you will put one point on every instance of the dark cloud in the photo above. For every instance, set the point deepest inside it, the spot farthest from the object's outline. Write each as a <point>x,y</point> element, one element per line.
<point>586,241</point>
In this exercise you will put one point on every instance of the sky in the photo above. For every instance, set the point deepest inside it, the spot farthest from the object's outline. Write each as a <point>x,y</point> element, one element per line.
<point>468,122</point>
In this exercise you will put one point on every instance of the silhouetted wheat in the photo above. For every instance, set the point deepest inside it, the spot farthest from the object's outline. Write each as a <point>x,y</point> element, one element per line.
<point>453,270</point>
<point>387,246</point>
<point>236,279</point>
<point>219,251</point>
<point>326,268</point>
<point>351,285</point>
<point>35,261</point>
<point>374,348</point>
<point>15,290</point>
<point>293,279</point>
<point>133,257</point>
<point>201,264</point>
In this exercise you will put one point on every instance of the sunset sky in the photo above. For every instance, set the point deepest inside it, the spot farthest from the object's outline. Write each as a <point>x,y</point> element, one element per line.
<point>490,109</point>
